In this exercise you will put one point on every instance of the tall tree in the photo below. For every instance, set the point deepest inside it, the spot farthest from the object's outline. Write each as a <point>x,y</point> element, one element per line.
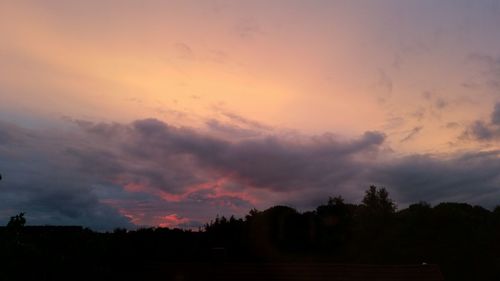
<point>377,200</point>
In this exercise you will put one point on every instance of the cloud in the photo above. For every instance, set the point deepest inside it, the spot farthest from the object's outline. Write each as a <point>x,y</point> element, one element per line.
<point>102,174</point>
<point>495,115</point>
<point>316,166</point>
<point>413,132</point>
<point>172,220</point>
<point>269,162</point>
<point>485,130</point>
<point>147,172</point>
<point>482,131</point>
<point>41,181</point>
<point>243,121</point>
<point>470,177</point>
<point>229,130</point>
<point>279,165</point>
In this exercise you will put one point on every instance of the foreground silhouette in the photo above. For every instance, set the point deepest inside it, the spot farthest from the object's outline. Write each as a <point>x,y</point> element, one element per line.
<point>463,240</point>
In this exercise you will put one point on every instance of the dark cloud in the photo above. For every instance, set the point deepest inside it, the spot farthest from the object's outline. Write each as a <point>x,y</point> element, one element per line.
<point>486,131</point>
<point>470,177</point>
<point>284,166</point>
<point>99,173</point>
<point>495,115</point>
<point>41,181</point>
<point>482,131</point>
<point>266,162</point>
<point>316,166</point>
<point>105,175</point>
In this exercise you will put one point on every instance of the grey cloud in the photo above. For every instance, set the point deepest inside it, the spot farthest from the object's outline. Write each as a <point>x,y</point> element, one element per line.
<point>173,160</point>
<point>495,115</point>
<point>471,177</point>
<point>101,171</point>
<point>11,134</point>
<point>43,183</point>
<point>486,131</point>
<point>482,131</point>
<point>266,162</point>
<point>281,166</point>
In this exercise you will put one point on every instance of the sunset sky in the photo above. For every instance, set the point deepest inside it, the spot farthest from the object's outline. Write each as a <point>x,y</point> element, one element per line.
<point>168,113</point>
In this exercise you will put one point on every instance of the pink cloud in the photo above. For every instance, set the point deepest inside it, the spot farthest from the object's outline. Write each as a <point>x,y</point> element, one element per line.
<point>172,220</point>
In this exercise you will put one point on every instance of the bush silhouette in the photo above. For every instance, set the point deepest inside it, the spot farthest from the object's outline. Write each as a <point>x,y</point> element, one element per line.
<point>16,223</point>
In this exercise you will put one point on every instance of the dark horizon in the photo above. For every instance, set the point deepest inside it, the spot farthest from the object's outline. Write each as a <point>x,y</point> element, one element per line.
<point>203,226</point>
<point>458,239</point>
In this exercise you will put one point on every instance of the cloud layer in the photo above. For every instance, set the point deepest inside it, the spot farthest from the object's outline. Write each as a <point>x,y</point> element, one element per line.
<point>147,172</point>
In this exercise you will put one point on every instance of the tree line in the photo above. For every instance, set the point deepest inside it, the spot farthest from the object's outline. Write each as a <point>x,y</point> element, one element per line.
<point>464,240</point>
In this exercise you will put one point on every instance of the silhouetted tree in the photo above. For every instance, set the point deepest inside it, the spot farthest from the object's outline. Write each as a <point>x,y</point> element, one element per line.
<point>16,223</point>
<point>377,200</point>
<point>373,227</point>
<point>333,225</point>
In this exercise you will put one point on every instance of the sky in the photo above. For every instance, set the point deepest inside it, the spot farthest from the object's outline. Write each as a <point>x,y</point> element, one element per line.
<point>169,113</point>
